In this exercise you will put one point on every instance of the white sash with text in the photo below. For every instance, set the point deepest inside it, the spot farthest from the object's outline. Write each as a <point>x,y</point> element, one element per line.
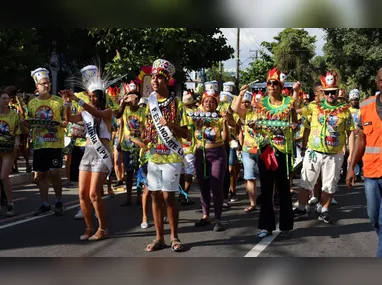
<point>96,142</point>
<point>163,131</point>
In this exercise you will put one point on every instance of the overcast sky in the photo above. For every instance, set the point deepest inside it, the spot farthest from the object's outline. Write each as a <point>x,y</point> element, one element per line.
<point>250,39</point>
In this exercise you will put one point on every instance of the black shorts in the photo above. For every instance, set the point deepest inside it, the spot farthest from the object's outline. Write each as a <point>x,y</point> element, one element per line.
<point>45,159</point>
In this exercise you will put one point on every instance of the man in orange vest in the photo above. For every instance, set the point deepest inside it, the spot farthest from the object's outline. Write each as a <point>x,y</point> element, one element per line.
<point>369,142</point>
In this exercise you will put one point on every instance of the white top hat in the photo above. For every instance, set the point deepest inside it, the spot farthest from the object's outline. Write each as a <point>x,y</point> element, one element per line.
<point>247,97</point>
<point>143,100</point>
<point>226,97</point>
<point>88,72</point>
<point>354,94</point>
<point>228,86</point>
<point>212,85</point>
<point>39,74</point>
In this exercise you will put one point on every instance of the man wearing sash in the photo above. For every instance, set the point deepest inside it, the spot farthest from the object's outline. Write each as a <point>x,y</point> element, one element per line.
<point>46,118</point>
<point>166,124</point>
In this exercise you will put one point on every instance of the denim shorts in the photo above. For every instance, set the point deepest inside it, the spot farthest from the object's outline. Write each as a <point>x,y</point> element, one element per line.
<point>251,170</point>
<point>232,157</point>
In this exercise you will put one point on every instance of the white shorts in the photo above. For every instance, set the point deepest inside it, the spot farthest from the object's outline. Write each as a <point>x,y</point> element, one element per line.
<point>163,177</point>
<point>329,165</point>
<point>188,166</point>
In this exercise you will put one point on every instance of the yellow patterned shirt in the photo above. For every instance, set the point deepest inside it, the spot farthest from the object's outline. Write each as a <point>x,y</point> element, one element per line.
<point>133,125</point>
<point>50,109</point>
<point>189,144</point>
<point>251,136</point>
<point>9,126</point>
<point>328,126</point>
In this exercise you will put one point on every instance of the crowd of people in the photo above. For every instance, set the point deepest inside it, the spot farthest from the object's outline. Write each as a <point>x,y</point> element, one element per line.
<point>164,143</point>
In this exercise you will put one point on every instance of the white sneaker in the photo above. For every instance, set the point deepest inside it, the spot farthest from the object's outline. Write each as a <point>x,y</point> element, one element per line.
<point>79,215</point>
<point>319,208</point>
<point>334,202</point>
<point>313,201</point>
<point>144,225</point>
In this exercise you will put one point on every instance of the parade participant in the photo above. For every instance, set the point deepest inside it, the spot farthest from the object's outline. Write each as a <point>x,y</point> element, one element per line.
<point>17,105</point>
<point>355,111</point>
<point>96,162</point>
<point>368,144</point>
<point>234,146</point>
<point>77,130</point>
<point>9,144</point>
<point>330,123</point>
<point>249,153</point>
<point>275,120</point>
<point>46,119</point>
<point>211,130</point>
<point>166,123</point>
<point>132,125</point>
<point>188,169</point>
<point>117,152</point>
<point>142,103</point>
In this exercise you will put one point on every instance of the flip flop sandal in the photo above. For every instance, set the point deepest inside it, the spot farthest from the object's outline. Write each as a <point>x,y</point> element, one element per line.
<point>176,245</point>
<point>155,245</point>
<point>250,209</point>
<point>263,233</point>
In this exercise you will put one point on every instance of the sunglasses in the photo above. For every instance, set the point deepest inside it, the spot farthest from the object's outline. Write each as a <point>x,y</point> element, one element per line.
<point>330,92</point>
<point>273,83</point>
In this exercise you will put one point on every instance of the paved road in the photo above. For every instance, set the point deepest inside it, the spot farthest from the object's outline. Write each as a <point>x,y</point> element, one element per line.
<point>51,236</point>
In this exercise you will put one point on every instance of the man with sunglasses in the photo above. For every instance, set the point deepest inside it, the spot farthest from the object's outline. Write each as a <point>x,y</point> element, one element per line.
<point>331,122</point>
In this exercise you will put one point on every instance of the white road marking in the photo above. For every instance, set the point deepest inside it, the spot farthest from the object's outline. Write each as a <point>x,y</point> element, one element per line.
<point>8,225</point>
<point>263,244</point>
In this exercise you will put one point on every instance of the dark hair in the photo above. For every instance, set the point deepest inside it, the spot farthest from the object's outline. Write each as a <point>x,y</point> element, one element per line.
<point>11,90</point>
<point>101,96</point>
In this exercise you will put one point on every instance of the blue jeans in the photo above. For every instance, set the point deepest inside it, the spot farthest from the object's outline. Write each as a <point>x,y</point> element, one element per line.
<point>373,192</point>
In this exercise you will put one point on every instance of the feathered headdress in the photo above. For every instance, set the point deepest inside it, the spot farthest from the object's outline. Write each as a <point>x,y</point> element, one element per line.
<point>92,78</point>
<point>146,70</point>
<point>275,74</point>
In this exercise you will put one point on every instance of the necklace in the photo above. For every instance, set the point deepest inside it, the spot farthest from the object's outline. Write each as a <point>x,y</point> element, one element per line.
<point>324,108</point>
<point>167,102</point>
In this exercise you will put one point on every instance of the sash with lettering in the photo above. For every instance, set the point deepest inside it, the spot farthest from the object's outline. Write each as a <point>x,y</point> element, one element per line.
<point>163,131</point>
<point>96,142</point>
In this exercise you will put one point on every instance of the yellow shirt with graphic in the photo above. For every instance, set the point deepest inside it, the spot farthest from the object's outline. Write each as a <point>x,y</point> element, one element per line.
<point>133,126</point>
<point>328,127</point>
<point>356,114</point>
<point>9,126</point>
<point>252,138</point>
<point>159,153</point>
<point>50,109</point>
<point>189,144</point>
<point>208,132</point>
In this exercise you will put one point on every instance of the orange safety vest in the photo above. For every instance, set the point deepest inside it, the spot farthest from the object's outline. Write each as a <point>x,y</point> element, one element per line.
<point>372,128</point>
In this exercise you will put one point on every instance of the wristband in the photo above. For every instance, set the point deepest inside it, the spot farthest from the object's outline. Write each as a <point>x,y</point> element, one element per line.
<point>68,104</point>
<point>81,103</point>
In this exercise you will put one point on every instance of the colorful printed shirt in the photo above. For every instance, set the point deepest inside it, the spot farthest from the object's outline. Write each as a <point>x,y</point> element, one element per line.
<point>278,136</point>
<point>208,132</point>
<point>189,145</point>
<point>356,114</point>
<point>252,138</point>
<point>328,126</point>
<point>133,126</point>
<point>50,109</point>
<point>159,152</point>
<point>9,126</point>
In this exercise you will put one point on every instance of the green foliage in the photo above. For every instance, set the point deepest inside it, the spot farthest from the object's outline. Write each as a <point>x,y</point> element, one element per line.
<point>257,69</point>
<point>188,49</point>
<point>293,52</point>
<point>357,55</point>
<point>19,55</point>
<point>213,73</point>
